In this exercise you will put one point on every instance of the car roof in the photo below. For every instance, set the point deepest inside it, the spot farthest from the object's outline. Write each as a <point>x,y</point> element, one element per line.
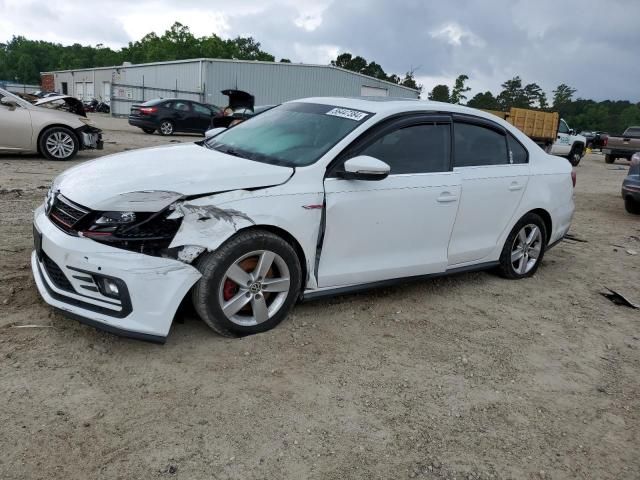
<point>391,105</point>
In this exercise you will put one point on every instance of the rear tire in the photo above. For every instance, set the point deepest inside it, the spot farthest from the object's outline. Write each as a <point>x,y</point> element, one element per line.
<point>248,285</point>
<point>58,143</point>
<point>632,206</point>
<point>166,127</point>
<point>149,130</point>
<point>524,248</point>
<point>609,158</point>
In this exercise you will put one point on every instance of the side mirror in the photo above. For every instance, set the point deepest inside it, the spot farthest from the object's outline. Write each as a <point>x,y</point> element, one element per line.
<point>364,167</point>
<point>572,131</point>
<point>213,132</point>
<point>8,102</point>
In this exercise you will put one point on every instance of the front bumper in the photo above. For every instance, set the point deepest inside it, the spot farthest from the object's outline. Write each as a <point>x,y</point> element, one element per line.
<point>67,268</point>
<point>91,138</point>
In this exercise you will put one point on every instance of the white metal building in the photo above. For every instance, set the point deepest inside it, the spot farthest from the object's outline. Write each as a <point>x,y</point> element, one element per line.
<point>203,79</point>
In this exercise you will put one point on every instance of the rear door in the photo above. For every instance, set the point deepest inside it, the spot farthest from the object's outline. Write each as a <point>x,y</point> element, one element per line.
<point>396,227</point>
<point>494,170</point>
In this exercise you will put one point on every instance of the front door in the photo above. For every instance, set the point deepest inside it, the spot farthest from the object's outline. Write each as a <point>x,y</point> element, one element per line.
<point>15,130</point>
<point>201,117</point>
<point>562,145</point>
<point>494,171</point>
<point>399,226</point>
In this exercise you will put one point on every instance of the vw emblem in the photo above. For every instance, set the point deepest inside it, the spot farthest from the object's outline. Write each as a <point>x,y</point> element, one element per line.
<point>255,287</point>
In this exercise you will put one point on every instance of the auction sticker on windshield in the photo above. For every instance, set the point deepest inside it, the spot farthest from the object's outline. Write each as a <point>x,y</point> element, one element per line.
<point>346,113</point>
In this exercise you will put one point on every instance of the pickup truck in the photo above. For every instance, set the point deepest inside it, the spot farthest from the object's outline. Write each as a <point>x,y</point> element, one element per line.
<point>548,130</point>
<point>623,146</point>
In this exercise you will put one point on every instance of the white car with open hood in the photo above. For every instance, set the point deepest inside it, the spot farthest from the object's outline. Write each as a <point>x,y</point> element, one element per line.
<point>314,197</point>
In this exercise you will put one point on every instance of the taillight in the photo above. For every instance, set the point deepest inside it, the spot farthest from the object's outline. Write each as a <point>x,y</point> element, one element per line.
<point>605,140</point>
<point>573,178</point>
<point>148,110</point>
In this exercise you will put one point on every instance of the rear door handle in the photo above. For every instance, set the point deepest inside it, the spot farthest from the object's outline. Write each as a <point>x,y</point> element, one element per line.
<point>515,186</point>
<point>446,197</point>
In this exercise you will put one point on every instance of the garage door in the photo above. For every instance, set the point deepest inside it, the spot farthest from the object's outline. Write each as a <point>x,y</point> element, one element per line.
<point>89,92</point>
<point>373,91</point>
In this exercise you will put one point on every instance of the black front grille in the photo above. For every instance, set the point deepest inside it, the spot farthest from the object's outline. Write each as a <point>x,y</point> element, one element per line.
<point>65,214</point>
<point>56,275</point>
<point>156,229</point>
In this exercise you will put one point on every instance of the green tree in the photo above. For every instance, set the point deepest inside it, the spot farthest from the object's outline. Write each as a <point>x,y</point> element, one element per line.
<point>485,101</point>
<point>285,60</point>
<point>440,93</point>
<point>459,89</point>
<point>562,96</point>
<point>513,94</point>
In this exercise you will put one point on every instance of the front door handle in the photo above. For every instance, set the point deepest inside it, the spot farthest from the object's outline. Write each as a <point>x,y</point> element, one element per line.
<point>515,186</point>
<point>447,197</point>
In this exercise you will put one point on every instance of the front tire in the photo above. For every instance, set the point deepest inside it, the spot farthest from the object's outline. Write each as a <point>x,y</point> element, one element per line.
<point>524,248</point>
<point>576,154</point>
<point>631,205</point>
<point>58,143</point>
<point>248,285</point>
<point>609,158</point>
<point>166,127</point>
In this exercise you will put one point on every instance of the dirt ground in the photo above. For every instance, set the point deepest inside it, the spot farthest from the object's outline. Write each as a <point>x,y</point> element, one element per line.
<point>464,377</point>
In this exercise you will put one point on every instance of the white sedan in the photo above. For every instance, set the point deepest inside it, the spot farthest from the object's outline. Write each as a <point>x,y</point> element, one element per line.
<point>314,197</point>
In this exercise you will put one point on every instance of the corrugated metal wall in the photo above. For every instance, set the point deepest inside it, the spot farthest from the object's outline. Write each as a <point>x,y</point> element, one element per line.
<point>270,83</point>
<point>273,83</point>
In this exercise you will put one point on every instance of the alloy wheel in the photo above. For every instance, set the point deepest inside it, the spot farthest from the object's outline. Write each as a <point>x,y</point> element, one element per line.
<point>166,128</point>
<point>60,145</point>
<point>526,249</point>
<point>254,288</point>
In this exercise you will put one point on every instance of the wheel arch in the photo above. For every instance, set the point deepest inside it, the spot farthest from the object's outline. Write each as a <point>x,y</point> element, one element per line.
<point>55,125</point>
<point>546,218</point>
<point>287,237</point>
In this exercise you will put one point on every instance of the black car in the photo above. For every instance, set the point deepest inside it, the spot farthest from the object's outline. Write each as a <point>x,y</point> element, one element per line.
<point>631,186</point>
<point>171,115</point>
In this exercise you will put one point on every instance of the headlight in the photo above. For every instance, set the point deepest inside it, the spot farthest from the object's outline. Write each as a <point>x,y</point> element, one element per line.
<point>116,218</point>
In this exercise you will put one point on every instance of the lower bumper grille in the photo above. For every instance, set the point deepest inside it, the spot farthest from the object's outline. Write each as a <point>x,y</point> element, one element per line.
<point>57,276</point>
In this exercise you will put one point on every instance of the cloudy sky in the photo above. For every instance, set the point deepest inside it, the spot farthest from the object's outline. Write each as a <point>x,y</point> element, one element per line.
<point>590,45</point>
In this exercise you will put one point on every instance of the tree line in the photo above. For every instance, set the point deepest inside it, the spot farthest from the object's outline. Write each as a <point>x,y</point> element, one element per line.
<point>581,114</point>
<point>22,60</point>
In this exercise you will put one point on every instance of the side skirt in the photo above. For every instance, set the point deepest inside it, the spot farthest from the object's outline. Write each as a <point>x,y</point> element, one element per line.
<point>331,292</point>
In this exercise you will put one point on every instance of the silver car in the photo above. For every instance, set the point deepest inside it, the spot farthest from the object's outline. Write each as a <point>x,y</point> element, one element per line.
<point>55,127</point>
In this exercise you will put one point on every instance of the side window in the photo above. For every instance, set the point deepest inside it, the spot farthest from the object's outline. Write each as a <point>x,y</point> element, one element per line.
<point>202,110</point>
<point>414,149</point>
<point>517,153</point>
<point>563,127</point>
<point>181,106</point>
<point>478,146</point>
<point>167,105</point>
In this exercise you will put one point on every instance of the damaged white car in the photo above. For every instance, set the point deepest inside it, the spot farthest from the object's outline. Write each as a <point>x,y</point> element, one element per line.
<point>55,126</point>
<point>315,197</point>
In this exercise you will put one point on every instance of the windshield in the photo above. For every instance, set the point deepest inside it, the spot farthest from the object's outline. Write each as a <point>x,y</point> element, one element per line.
<point>293,134</point>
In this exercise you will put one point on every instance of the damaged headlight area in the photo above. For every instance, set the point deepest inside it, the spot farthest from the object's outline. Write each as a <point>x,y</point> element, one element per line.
<point>142,232</point>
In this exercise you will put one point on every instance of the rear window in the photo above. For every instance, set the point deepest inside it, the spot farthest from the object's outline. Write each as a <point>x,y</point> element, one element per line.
<point>153,103</point>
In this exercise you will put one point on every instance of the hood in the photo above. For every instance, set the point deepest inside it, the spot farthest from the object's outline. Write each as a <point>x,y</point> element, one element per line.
<point>239,99</point>
<point>63,102</point>
<point>149,179</point>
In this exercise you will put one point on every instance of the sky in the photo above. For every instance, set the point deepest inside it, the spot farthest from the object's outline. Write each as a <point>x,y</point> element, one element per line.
<point>593,46</point>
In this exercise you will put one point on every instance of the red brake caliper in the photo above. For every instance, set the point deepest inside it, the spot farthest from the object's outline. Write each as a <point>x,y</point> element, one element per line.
<point>229,290</point>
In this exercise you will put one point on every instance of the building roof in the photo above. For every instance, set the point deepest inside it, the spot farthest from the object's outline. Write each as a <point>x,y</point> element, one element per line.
<point>229,60</point>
